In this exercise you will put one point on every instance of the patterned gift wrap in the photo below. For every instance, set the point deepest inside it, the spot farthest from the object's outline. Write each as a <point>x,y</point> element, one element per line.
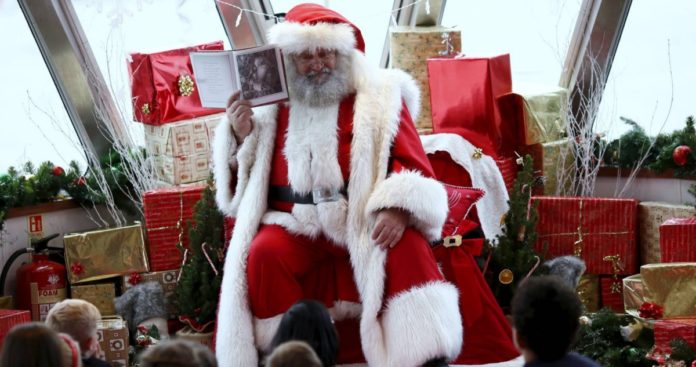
<point>651,215</point>
<point>612,293</point>
<point>10,318</point>
<point>666,330</point>
<point>678,240</point>
<point>410,47</point>
<point>100,295</point>
<point>112,334</point>
<point>595,229</point>
<point>167,212</point>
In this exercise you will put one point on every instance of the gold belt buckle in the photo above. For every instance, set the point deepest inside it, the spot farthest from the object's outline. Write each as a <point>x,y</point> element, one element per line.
<point>452,241</point>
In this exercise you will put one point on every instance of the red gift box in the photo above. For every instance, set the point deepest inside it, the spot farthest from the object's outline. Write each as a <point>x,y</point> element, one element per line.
<point>163,87</point>
<point>612,293</point>
<point>667,330</point>
<point>594,228</point>
<point>167,212</point>
<point>10,318</point>
<point>464,94</point>
<point>678,240</point>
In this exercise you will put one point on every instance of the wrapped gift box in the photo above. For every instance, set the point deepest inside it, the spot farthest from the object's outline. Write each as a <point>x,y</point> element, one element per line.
<point>612,293</point>
<point>678,240</point>
<point>112,333</point>
<point>588,292</point>
<point>183,169</point>
<point>167,212</point>
<point>167,279</point>
<point>666,330</point>
<point>558,166</point>
<point>593,228</point>
<point>410,47</point>
<point>11,318</point>
<point>539,112</point>
<point>163,87</point>
<point>105,253</point>
<point>634,294</point>
<point>464,94</point>
<point>100,295</point>
<point>182,138</point>
<point>650,216</point>
<point>672,286</point>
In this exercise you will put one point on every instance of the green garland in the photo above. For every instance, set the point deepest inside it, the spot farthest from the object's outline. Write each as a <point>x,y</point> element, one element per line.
<point>632,146</point>
<point>30,185</point>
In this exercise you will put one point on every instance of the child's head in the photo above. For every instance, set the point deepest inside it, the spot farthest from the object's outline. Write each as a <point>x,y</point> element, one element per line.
<point>77,318</point>
<point>179,353</point>
<point>72,357</point>
<point>545,318</point>
<point>293,354</point>
<point>32,345</point>
<point>309,321</point>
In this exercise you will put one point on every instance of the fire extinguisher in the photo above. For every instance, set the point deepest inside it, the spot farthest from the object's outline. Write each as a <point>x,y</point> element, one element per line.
<point>41,283</point>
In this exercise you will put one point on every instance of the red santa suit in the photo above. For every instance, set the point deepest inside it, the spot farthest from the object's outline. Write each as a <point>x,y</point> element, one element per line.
<point>365,147</point>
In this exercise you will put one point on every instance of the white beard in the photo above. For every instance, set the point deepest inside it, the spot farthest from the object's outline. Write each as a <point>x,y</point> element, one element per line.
<point>304,90</point>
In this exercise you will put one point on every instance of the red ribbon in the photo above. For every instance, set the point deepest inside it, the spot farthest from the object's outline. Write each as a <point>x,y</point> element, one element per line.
<point>77,268</point>
<point>649,310</point>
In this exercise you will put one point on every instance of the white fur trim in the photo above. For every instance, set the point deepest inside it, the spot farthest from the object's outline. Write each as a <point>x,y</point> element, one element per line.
<point>294,38</point>
<point>230,159</point>
<point>235,345</point>
<point>429,316</point>
<point>265,330</point>
<point>424,198</point>
<point>484,174</point>
<point>410,91</point>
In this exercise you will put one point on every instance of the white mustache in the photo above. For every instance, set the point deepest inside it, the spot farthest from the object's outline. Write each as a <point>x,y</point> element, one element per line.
<point>313,74</point>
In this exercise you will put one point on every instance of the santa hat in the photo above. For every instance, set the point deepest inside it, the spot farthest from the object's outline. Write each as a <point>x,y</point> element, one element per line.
<point>312,26</point>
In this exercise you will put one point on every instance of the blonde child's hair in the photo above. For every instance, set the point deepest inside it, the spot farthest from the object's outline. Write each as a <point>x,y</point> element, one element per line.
<point>75,317</point>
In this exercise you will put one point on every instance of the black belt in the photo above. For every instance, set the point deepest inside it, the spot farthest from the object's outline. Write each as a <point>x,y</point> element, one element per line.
<point>286,194</point>
<point>453,241</point>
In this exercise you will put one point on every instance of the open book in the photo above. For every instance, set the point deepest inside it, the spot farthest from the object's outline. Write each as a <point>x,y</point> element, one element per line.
<point>258,72</point>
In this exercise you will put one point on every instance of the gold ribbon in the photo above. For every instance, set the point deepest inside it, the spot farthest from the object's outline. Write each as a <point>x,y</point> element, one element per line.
<point>616,267</point>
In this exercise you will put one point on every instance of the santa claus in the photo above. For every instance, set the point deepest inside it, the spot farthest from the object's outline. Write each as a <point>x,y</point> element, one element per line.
<point>334,200</point>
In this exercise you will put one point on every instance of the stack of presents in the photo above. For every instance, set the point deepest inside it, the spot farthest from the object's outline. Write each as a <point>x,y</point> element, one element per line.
<point>637,254</point>
<point>103,264</point>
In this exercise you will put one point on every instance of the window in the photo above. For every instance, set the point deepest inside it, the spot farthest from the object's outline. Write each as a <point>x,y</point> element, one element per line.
<point>35,124</point>
<point>116,28</point>
<point>535,33</point>
<point>640,84</point>
<point>371,17</point>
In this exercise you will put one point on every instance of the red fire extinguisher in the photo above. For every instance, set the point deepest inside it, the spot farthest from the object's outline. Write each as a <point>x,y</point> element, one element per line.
<point>41,283</point>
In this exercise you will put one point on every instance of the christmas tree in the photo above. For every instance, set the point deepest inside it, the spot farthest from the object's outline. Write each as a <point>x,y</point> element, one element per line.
<point>513,258</point>
<point>201,275</point>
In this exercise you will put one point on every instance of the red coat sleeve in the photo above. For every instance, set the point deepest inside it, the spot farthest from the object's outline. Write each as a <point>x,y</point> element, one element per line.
<point>407,151</point>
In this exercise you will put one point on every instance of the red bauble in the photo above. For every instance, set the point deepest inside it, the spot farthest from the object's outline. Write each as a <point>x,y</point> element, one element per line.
<point>58,171</point>
<point>81,181</point>
<point>681,154</point>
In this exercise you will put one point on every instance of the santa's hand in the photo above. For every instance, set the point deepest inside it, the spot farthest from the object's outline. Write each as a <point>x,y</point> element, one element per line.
<point>239,115</point>
<point>389,227</point>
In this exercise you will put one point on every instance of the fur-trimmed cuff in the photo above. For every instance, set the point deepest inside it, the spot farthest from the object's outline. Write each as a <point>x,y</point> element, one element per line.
<point>423,323</point>
<point>424,198</point>
<point>228,158</point>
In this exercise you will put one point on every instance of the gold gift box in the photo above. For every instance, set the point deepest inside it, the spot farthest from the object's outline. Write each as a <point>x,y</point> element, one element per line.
<point>650,216</point>
<point>112,333</point>
<point>672,286</point>
<point>410,48</point>
<point>100,295</point>
<point>167,279</point>
<point>105,253</point>
<point>634,294</point>
<point>588,292</point>
<point>559,165</point>
<point>544,112</point>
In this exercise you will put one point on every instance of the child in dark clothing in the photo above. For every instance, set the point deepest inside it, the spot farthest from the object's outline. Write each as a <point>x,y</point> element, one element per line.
<point>309,321</point>
<point>32,345</point>
<point>545,323</point>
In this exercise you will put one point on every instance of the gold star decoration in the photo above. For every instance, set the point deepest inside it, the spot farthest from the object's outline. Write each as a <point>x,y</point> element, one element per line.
<point>185,85</point>
<point>478,153</point>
